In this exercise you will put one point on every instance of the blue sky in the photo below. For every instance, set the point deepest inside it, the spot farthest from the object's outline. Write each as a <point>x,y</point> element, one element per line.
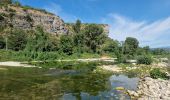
<point>147,20</point>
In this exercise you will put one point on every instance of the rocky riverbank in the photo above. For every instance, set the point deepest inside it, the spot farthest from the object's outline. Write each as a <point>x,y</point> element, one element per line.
<point>152,89</point>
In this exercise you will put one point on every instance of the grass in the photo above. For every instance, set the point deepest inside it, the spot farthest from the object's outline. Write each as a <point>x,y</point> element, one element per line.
<point>40,56</point>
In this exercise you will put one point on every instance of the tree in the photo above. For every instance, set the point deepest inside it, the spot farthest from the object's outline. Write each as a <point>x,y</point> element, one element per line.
<point>130,46</point>
<point>144,59</point>
<point>66,44</point>
<point>77,26</point>
<point>39,41</point>
<point>2,42</point>
<point>16,2</point>
<point>5,1</point>
<point>17,40</point>
<point>94,36</point>
<point>146,49</point>
<point>110,46</point>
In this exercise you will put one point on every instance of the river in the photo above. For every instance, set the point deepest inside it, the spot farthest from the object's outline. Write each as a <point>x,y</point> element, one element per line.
<point>54,84</point>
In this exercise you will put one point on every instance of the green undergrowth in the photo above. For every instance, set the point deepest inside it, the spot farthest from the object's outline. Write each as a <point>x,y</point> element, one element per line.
<point>41,56</point>
<point>70,64</point>
<point>158,73</point>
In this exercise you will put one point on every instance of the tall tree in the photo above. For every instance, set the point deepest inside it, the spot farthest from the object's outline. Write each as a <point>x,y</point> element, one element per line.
<point>130,46</point>
<point>66,44</point>
<point>17,40</point>
<point>2,42</point>
<point>94,36</point>
<point>77,26</point>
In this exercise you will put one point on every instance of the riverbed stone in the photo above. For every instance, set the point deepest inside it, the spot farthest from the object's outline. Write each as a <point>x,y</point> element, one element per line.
<point>152,89</point>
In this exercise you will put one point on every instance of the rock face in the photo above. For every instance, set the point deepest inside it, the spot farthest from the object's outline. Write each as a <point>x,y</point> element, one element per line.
<point>28,19</point>
<point>152,89</point>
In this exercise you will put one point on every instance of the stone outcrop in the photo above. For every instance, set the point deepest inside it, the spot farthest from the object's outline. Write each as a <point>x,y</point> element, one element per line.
<point>152,89</point>
<point>28,19</point>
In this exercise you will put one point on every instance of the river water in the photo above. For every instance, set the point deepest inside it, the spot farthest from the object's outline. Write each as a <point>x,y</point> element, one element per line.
<point>44,84</point>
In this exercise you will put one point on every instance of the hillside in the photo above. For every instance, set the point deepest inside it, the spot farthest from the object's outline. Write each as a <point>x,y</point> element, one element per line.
<point>28,18</point>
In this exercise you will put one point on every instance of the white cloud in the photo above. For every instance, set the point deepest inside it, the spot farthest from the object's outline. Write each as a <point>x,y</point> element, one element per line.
<point>57,10</point>
<point>153,34</point>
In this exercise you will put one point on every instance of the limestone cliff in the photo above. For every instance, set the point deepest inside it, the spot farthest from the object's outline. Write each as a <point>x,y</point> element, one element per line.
<point>28,19</point>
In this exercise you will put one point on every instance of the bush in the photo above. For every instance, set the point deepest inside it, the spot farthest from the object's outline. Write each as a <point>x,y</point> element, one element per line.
<point>2,42</point>
<point>28,18</point>
<point>144,60</point>
<point>156,73</point>
<point>1,17</point>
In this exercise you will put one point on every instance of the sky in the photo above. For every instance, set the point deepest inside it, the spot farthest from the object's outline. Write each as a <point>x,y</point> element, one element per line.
<point>146,20</point>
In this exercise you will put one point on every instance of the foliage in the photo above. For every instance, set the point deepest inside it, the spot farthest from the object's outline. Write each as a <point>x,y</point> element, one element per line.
<point>40,41</point>
<point>110,46</point>
<point>2,42</point>
<point>28,18</point>
<point>66,44</point>
<point>130,46</point>
<point>25,8</point>
<point>77,26</point>
<point>5,1</point>
<point>78,37</point>
<point>16,3</point>
<point>94,36</point>
<point>1,17</point>
<point>144,59</point>
<point>157,73</point>
<point>159,51</point>
<point>17,40</point>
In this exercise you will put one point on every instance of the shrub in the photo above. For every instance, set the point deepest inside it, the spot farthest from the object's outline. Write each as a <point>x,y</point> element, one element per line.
<point>2,42</point>
<point>156,73</point>
<point>28,18</point>
<point>11,10</point>
<point>144,60</point>
<point>1,17</point>
<point>17,40</point>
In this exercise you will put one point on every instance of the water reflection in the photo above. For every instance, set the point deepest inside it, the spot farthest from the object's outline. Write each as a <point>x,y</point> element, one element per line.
<point>39,84</point>
<point>110,94</point>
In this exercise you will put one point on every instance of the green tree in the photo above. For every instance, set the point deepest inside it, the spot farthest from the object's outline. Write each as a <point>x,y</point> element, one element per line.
<point>144,59</point>
<point>39,41</point>
<point>66,44</point>
<point>110,46</point>
<point>130,46</point>
<point>77,26</point>
<point>5,1</point>
<point>2,42</point>
<point>94,36</point>
<point>17,40</point>
<point>78,37</point>
<point>146,49</point>
<point>16,2</point>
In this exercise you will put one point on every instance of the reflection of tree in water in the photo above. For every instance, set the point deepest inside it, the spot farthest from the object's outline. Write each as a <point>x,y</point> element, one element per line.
<point>31,87</point>
<point>89,83</point>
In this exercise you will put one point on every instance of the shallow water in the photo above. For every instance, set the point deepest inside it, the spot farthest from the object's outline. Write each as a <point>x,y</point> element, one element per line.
<point>110,94</point>
<point>45,84</point>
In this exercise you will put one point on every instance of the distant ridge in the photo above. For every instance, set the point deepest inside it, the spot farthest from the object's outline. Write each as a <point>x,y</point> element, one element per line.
<point>164,48</point>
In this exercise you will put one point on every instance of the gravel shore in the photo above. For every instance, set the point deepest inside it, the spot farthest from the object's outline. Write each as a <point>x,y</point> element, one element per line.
<point>152,89</point>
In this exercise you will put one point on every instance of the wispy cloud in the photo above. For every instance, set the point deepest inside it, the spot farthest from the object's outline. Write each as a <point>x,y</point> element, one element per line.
<point>57,10</point>
<point>153,34</point>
